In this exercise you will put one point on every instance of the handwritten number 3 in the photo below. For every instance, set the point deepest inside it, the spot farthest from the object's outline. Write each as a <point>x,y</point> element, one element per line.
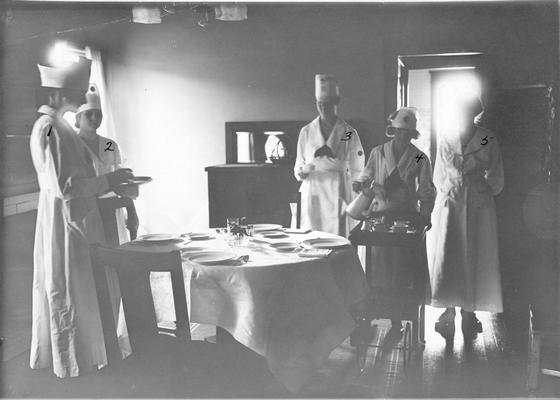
<point>109,147</point>
<point>348,136</point>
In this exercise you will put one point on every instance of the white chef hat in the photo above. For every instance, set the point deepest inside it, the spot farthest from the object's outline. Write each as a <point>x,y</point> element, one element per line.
<point>404,118</point>
<point>93,101</point>
<point>53,77</point>
<point>326,86</point>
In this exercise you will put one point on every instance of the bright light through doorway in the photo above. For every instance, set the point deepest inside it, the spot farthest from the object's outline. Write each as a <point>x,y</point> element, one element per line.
<point>451,89</point>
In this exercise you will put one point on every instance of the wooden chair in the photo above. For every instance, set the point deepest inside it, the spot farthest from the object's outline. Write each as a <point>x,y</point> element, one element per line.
<point>539,338</point>
<point>107,208</point>
<point>133,269</point>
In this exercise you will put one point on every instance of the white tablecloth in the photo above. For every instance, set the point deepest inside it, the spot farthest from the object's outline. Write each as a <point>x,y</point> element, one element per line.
<point>291,310</point>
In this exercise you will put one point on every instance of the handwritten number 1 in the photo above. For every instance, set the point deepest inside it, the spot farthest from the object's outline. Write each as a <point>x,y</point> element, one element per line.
<point>50,130</point>
<point>109,147</point>
<point>348,136</point>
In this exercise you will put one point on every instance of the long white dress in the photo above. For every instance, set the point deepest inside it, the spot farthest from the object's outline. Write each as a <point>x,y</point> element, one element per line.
<point>462,246</point>
<point>108,159</point>
<point>66,325</point>
<point>328,189</point>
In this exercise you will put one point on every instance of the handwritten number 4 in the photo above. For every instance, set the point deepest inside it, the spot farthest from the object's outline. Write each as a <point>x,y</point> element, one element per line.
<point>348,136</point>
<point>109,144</point>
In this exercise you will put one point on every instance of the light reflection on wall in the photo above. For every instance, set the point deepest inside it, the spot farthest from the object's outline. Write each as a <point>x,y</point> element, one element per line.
<point>159,129</point>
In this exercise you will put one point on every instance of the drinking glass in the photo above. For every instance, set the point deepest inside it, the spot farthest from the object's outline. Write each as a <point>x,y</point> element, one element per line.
<point>232,222</point>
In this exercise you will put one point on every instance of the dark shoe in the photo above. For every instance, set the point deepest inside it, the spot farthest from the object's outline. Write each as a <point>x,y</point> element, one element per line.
<point>362,334</point>
<point>445,324</point>
<point>470,324</point>
<point>394,334</point>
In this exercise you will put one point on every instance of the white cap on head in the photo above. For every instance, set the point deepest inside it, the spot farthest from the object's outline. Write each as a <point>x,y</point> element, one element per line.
<point>326,86</point>
<point>93,101</point>
<point>404,118</point>
<point>53,77</point>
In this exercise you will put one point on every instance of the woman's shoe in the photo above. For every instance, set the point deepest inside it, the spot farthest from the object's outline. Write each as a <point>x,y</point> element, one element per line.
<point>470,325</point>
<point>445,324</point>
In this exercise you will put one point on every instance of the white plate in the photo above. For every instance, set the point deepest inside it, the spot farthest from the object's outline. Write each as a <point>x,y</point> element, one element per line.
<point>266,227</point>
<point>194,249</point>
<point>199,235</point>
<point>327,243</point>
<point>284,246</point>
<point>273,234</point>
<point>159,237</point>
<point>212,257</point>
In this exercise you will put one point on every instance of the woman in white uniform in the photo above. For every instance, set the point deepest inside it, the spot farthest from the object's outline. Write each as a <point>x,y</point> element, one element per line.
<point>463,244</point>
<point>329,157</point>
<point>105,154</point>
<point>403,174</point>
<point>106,158</point>
<point>66,325</point>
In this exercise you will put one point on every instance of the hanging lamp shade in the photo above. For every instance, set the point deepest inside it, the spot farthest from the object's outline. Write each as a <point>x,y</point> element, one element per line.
<point>146,15</point>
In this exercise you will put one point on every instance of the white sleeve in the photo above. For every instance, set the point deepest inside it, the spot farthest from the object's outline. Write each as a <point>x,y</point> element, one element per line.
<point>300,156</point>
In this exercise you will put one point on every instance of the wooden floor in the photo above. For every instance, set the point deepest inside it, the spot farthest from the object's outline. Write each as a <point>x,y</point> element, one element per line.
<point>486,367</point>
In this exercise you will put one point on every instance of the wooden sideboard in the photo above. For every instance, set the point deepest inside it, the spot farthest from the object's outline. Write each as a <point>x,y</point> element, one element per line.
<point>260,192</point>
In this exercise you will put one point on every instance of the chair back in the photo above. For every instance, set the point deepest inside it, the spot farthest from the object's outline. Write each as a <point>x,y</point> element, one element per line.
<point>107,208</point>
<point>133,269</point>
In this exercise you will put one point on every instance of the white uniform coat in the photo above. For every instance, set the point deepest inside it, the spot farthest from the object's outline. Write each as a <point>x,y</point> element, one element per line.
<point>391,266</point>
<point>463,243</point>
<point>66,325</point>
<point>108,159</point>
<point>326,191</point>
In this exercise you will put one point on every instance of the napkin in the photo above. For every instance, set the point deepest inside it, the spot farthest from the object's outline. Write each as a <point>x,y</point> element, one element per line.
<point>315,252</point>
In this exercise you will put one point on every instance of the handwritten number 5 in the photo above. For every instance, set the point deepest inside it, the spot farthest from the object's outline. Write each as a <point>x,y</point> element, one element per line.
<point>109,144</point>
<point>348,136</point>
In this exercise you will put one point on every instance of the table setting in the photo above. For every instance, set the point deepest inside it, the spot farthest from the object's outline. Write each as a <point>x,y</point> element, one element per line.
<point>284,295</point>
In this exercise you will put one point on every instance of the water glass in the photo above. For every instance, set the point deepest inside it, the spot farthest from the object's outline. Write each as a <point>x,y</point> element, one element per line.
<point>232,222</point>
<point>250,229</point>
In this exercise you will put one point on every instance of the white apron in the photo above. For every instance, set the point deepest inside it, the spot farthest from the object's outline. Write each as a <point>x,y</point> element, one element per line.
<point>66,325</point>
<point>105,161</point>
<point>328,189</point>
<point>462,246</point>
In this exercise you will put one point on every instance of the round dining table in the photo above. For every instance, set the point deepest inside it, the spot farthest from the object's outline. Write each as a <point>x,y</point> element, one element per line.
<point>292,310</point>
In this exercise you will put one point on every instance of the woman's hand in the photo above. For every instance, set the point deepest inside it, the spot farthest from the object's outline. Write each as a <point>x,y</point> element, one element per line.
<point>119,176</point>
<point>302,175</point>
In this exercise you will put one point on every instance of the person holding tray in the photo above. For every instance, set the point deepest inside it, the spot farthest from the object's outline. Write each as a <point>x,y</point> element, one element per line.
<point>105,154</point>
<point>400,177</point>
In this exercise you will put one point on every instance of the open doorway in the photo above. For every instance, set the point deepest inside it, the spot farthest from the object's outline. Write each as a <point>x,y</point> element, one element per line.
<point>432,83</point>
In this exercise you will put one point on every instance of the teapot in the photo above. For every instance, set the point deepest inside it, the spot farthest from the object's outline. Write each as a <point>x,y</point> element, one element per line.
<point>370,199</point>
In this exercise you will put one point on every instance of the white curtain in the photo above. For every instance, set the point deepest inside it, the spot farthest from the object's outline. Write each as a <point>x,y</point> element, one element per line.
<point>97,76</point>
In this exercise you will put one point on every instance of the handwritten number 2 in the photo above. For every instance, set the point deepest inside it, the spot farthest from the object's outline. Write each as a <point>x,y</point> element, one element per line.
<point>109,144</point>
<point>348,136</point>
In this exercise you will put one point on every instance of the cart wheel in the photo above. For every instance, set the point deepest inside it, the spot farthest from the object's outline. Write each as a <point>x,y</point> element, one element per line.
<point>407,345</point>
<point>361,355</point>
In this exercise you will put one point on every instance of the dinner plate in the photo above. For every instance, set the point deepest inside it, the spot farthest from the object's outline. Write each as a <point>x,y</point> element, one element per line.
<point>199,235</point>
<point>159,237</point>
<point>273,234</point>
<point>139,180</point>
<point>193,249</point>
<point>212,257</point>
<point>327,243</point>
<point>284,246</point>
<point>266,227</point>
